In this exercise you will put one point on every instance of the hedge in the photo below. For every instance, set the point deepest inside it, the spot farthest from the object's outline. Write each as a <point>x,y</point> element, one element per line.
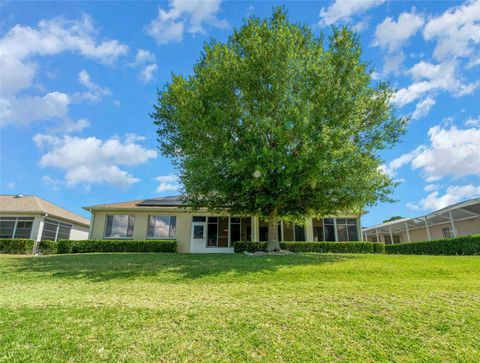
<point>465,245</point>
<point>17,246</point>
<point>322,247</point>
<point>68,246</point>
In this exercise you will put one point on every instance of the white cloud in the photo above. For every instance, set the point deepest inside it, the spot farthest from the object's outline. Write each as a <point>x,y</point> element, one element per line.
<point>423,108</point>
<point>53,183</point>
<point>452,152</point>
<point>167,183</point>
<point>394,165</point>
<point>343,10</point>
<point>454,194</point>
<point>26,109</point>
<point>95,92</point>
<point>393,64</point>
<point>147,74</point>
<point>391,34</point>
<point>429,78</point>
<point>473,122</point>
<point>143,56</point>
<point>88,161</point>
<point>145,60</point>
<point>191,16</point>
<point>21,44</point>
<point>431,187</point>
<point>456,31</point>
<point>116,103</point>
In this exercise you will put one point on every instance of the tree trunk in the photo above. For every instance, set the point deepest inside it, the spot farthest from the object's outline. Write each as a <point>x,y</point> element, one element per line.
<point>273,243</point>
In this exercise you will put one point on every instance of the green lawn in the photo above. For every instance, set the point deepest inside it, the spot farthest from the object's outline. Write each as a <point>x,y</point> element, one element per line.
<point>179,307</point>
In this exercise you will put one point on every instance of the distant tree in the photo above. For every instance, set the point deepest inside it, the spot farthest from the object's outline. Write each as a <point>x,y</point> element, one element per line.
<point>273,123</point>
<point>394,218</point>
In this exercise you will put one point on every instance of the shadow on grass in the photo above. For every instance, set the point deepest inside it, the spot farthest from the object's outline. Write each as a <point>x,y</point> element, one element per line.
<point>167,267</point>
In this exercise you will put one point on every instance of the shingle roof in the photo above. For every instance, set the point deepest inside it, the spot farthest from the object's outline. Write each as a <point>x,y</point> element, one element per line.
<point>34,204</point>
<point>171,201</point>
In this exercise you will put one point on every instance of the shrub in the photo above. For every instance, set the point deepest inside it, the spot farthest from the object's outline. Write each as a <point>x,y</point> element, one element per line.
<point>16,246</point>
<point>465,245</point>
<point>322,247</point>
<point>48,247</point>
<point>68,246</point>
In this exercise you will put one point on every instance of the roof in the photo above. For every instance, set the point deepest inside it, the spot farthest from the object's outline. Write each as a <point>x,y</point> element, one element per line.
<point>458,211</point>
<point>170,201</point>
<point>33,204</point>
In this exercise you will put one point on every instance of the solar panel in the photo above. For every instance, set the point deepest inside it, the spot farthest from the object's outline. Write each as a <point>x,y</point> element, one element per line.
<point>161,202</point>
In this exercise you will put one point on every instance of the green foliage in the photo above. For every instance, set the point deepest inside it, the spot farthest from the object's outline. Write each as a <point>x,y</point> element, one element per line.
<point>48,247</point>
<point>68,246</point>
<point>321,247</point>
<point>466,245</point>
<point>275,123</point>
<point>394,218</point>
<point>16,246</point>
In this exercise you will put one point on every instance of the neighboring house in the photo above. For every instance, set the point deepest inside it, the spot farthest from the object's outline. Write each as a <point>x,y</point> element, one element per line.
<point>456,220</point>
<point>28,216</point>
<point>201,231</point>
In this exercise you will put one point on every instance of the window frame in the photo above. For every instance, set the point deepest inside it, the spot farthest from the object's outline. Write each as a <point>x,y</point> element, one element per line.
<point>113,215</point>
<point>57,224</point>
<point>169,227</point>
<point>15,220</point>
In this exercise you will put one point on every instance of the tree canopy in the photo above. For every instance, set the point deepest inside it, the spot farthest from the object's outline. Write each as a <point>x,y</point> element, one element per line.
<point>394,218</point>
<point>279,123</point>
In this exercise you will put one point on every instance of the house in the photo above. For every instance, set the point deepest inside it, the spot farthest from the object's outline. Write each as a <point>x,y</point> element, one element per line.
<point>28,216</point>
<point>201,231</point>
<point>460,219</point>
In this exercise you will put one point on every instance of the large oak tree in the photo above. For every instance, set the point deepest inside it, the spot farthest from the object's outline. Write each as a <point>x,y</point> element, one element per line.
<point>279,123</point>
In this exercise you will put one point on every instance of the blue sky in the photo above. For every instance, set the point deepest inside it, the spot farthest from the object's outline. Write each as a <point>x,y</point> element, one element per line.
<point>78,80</point>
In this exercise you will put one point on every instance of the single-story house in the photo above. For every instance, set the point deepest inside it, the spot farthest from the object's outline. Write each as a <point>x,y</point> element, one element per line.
<point>460,219</point>
<point>201,231</point>
<point>28,216</point>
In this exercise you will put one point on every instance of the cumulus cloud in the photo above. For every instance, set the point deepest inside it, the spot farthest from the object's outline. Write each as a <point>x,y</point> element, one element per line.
<point>148,72</point>
<point>24,110</point>
<point>167,183</point>
<point>452,152</point>
<point>87,161</point>
<point>456,31</point>
<point>22,44</point>
<point>429,78</point>
<point>185,16</point>
<point>391,34</point>
<point>146,61</point>
<point>423,108</point>
<point>95,92</point>
<point>344,10</point>
<point>453,194</point>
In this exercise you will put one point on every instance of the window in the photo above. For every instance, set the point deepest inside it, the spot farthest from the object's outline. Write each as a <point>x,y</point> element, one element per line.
<point>328,225</point>
<point>16,227</point>
<point>240,229</point>
<point>447,232</point>
<point>317,224</point>
<point>54,230</point>
<point>212,232</point>
<point>161,226</point>
<point>293,232</point>
<point>347,229</point>
<point>119,226</point>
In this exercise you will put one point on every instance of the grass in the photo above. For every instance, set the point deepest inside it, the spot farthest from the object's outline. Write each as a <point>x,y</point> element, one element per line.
<point>299,308</point>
